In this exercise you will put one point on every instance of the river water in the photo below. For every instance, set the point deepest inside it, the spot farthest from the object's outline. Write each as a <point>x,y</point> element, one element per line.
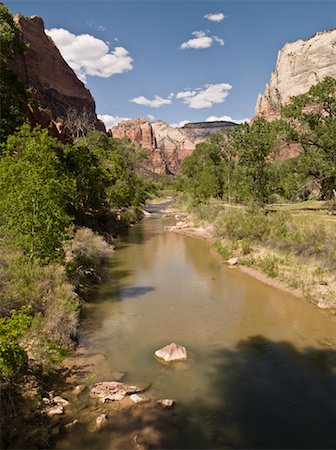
<point>262,372</point>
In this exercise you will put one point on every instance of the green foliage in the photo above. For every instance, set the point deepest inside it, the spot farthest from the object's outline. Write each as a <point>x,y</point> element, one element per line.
<point>82,164</point>
<point>12,355</point>
<point>204,172</point>
<point>223,250</point>
<point>120,182</point>
<point>34,193</point>
<point>13,95</point>
<point>314,116</point>
<point>253,144</point>
<point>269,265</point>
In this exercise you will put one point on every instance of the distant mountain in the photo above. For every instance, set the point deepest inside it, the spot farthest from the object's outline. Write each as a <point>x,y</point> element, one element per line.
<point>168,145</point>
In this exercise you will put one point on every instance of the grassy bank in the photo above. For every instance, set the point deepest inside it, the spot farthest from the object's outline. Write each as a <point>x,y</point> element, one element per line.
<point>295,244</point>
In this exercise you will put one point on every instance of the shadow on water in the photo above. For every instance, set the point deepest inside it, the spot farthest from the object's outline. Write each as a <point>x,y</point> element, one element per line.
<point>270,395</point>
<point>265,395</point>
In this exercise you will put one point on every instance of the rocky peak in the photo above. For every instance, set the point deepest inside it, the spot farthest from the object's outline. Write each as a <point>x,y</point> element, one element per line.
<point>299,65</point>
<point>52,82</point>
<point>168,145</point>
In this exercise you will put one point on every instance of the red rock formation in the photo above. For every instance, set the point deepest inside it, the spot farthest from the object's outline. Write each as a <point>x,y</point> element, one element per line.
<point>168,145</point>
<point>52,82</point>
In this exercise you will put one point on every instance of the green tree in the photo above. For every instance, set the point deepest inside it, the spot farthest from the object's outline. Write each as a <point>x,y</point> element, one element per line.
<point>313,119</point>
<point>253,145</point>
<point>203,171</point>
<point>13,95</point>
<point>122,169</point>
<point>35,192</point>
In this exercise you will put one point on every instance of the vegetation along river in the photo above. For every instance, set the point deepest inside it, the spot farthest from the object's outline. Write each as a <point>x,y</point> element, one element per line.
<point>262,372</point>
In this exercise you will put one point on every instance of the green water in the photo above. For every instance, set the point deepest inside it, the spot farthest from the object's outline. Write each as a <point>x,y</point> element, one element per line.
<point>263,366</point>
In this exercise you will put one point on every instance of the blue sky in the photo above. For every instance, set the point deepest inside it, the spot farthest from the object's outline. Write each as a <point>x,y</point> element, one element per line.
<point>172,60</point>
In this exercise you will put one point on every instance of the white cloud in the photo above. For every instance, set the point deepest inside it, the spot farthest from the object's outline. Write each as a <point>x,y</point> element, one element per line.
<point>151,117</point>
<point>110,121</point>
<point>219,40</point>
<point>179,124</point>
<point>205,97</point>
<point>155,103</point>
<point>215,17</point>
<point>225,119</point>
<point>101,28</point>
<point>88,55</point>
<point>201,40</point>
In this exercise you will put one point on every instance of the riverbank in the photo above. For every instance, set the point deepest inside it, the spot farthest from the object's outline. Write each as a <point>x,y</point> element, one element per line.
<point>304,276</point>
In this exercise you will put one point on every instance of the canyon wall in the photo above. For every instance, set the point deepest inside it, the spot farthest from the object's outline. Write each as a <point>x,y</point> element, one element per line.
<point>52,82</point>
<point>168,145</point>
<point>299,65</point>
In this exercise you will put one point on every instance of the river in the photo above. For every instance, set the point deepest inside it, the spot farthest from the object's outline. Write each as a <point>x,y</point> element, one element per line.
<point>262,370</point>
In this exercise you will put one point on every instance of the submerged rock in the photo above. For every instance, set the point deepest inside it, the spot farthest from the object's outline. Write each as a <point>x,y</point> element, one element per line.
<point>112,390</point>
<point>137,398</point>
<point>69,426</point>
<point>172,353</point>
<point>101,421</point>
<point>79,389</point>
<point>166,403</point>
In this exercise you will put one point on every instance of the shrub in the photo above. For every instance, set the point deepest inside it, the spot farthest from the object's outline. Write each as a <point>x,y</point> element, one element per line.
<point>269,265</point>
<point>85,256</point>
<point>224,250</point>
<point>12,355</point>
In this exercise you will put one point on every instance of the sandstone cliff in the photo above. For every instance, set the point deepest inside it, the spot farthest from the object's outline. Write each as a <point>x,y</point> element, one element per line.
<point>168,145</point>
<point>52,82</point>
<point>299,65</point>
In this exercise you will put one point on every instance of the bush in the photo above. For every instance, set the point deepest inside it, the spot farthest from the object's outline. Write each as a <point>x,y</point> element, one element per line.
<point>85,256</point>
<point>12,355</point>
<point>269,265</point>
<point>225,250</point>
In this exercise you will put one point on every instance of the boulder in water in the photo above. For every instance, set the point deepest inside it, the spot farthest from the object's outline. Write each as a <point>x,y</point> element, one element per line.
<point>101,421</point>
<point>172,353</point>
<point>112,390</point>
<point>166,403</point>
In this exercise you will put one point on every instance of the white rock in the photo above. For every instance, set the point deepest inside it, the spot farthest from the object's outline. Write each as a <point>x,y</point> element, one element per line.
<point>166,403</point>
<point>59,401</point>
<point>180,225</point>
<point>232,261</point>
<point>69,426</point>
<point>79,389</point>
<point>55,410</point>
<point>137,398</point>
<point>322,305</point>
<point>112,390</point>
<point>300,65</point>
<point>101,421</point>
<point>172,352</point>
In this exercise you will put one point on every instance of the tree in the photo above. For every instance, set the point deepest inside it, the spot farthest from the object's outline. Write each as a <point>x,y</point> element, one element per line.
<point>13,95</point>
<point>253,145</point>
<point>35,193</point>
<point>78,123</point>
<point>203,171</point>
<point>313,120</point>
